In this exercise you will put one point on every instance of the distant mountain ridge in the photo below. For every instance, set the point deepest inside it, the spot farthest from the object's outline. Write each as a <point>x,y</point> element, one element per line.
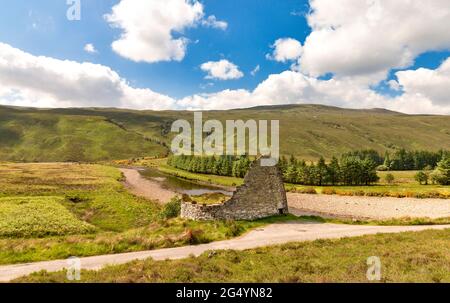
<point>307,131</point>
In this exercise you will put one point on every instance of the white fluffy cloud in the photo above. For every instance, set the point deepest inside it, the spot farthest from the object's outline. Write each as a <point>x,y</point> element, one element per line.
<point>291,87</point>
<point>90,48</point>
<point>148,28</point>
<point>432,85</point>
<point>354,38</point>
<point>212,21</point>
<point>222,70</point>
<point>29,80</point>
<point>286,49</point>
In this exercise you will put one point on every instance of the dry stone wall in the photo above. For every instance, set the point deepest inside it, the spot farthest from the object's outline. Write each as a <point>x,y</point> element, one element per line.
<point>262,195</point>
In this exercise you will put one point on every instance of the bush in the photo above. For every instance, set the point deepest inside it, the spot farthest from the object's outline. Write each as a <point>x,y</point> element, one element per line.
<point>382,168</point>
<point>375,194</point>
<point>172,209</point>
<point>76,198</point>
<point>421,177</point>
<point>308,190</point>
<point>441,174</point>
<point>359,193</point>
<point>329,191</point>
<point>389,178</point>
<point>233,229</point>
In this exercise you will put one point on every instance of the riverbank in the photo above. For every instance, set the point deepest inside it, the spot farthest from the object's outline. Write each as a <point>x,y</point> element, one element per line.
<point>142,187</point>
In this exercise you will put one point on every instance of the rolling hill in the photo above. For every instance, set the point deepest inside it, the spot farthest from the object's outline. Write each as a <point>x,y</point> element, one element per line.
<point>307,131</point>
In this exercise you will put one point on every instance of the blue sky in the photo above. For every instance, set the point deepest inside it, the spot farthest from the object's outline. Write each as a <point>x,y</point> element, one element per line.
<point>246,42</point>
<point>40,28</point>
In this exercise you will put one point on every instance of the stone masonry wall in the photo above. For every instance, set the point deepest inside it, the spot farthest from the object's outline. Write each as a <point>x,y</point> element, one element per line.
<point>262,195</point>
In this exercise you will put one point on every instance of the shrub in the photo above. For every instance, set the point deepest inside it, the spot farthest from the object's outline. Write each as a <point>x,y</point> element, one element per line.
<point>172,209</point>
<point>441,174</point>
<point>308,190</point>
<point>375,194</point>
<point>76,198</point>
<point>421,177</point>
<point>186,198</point>
<point>389,178</point>
<point>233,229</point>
<point>329,191</point>
<point>359,193</point>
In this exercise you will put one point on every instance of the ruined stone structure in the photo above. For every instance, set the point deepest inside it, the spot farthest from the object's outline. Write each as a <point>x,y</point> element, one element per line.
<point>262,195</point>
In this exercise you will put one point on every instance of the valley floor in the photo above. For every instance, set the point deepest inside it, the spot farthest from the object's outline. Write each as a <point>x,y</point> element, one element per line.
<point>54,211</point>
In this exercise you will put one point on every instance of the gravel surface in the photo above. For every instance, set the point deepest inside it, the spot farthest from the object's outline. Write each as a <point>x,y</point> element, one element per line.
<point>367,207</point>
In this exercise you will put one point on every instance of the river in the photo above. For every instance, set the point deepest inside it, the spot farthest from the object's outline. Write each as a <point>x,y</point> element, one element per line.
<point>180,185</point>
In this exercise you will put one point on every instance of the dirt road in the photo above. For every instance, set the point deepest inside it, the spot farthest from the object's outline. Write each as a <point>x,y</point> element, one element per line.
<point>269,235</point>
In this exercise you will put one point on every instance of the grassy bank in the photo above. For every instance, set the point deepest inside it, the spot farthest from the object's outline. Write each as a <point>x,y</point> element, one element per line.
<point>209,179</point>
<point>405,257</point>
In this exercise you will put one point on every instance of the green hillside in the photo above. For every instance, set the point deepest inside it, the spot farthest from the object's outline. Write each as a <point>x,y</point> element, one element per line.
<point>307,131</point>
<point>37,135</point>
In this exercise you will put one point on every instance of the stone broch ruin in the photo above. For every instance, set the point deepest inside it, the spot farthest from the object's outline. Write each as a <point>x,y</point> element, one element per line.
<point>262,195</point>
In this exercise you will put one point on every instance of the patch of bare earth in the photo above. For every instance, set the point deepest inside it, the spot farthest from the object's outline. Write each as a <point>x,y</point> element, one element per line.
<point>367,207</point>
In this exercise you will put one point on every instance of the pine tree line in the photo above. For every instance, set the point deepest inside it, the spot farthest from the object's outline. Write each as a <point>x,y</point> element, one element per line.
<point>402,159</point>
<point>223,166</point>
<point>351,170</point>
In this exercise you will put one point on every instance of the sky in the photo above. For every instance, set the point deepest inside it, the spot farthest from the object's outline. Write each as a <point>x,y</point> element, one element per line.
<point>211,54</point>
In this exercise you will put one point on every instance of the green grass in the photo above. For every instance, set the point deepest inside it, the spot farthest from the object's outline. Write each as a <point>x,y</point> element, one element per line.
<point>159,234</point>
<point>38,217</point>
<point>307,131</point>
<point>58,210</point>
<point>92,193</point>
<point>37,135</point>
<point>405,257</point>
